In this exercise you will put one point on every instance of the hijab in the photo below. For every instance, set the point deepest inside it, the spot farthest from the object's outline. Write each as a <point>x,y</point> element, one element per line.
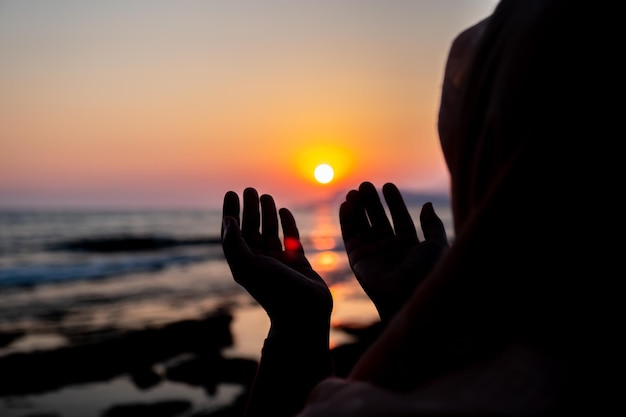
<point>529,137</point>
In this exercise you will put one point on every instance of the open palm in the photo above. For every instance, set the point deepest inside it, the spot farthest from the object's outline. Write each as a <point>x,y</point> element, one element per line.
<point>389,262</point>
<point>280,279</point>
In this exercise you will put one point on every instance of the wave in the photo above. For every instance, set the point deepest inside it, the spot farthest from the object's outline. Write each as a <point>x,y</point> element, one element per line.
<point>130,243</point>
<point>103,257</point>
<point>29,275</point>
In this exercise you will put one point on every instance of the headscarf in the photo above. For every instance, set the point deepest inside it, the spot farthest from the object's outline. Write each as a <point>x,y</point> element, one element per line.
<point>530,140</point>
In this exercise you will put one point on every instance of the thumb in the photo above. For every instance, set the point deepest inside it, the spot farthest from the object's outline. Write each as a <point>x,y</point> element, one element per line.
<point>432,225</point>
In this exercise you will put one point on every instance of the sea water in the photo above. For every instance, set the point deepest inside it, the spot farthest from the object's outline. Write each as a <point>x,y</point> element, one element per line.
<point>67,275</point>
<point>89,269</point>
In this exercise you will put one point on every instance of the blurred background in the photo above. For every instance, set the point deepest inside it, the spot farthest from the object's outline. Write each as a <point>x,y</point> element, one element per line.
<point>122,125</point>
<point>153,103</point>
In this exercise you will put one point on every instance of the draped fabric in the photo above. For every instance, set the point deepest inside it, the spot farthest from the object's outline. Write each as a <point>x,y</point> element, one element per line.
<point>530,130</point>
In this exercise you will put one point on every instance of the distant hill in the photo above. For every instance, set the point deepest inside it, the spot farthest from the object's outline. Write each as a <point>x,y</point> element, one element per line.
<point>411,197</point>
<point>419,198</point>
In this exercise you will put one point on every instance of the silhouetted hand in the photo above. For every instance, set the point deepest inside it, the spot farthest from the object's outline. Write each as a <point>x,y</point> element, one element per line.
<point>389,262</point>
<point>280,278</point>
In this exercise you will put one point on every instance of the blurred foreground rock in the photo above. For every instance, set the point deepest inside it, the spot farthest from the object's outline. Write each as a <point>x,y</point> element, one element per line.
<point>133,353</point>
<point>189,352</point>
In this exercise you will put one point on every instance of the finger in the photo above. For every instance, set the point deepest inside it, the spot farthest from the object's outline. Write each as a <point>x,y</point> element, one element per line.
<point>269,225</point>
<point>353,220</point>
<point>290,231</point>
<point>349,230</point>
<point>230,207</point>
<point>358,216</point>
<point>432,226</point>
<point>375,211</point>
<point>402,221</point>
<point>251,217</point>
<point>236,251</point>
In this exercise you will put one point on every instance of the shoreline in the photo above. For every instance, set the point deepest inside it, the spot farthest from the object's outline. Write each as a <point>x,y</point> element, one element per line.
<point>222,372</point>
<point>203,376</point>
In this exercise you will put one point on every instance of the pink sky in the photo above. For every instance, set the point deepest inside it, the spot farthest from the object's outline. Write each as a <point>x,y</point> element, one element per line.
<point>172,103</point>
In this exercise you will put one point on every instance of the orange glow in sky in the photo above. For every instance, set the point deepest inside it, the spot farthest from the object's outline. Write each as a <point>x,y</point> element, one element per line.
<point>308,158</point>
<point>173,103</point>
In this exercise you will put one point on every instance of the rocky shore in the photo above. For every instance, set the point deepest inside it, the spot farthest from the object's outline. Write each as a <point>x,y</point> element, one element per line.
<point>188,352</point>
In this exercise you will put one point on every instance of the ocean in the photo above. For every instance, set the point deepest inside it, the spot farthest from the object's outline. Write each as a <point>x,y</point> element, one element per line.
<point>71,276</point>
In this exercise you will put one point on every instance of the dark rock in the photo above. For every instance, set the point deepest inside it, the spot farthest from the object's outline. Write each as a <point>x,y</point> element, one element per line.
<point>168,408</point>
<point>346,355</point>
<point>42,371</point>
<point>367,332</point>
<point>6,338</point>
<point>208,371</point>
<point>144,378</point>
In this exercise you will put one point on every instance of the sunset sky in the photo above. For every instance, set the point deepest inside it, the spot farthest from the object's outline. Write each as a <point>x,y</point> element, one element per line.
<point>149,103</point>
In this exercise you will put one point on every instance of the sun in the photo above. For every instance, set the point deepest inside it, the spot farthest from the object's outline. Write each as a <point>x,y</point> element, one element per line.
<point>324,173</point>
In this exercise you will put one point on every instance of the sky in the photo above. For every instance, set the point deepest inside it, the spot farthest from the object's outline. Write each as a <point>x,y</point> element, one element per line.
<point>154,103</point>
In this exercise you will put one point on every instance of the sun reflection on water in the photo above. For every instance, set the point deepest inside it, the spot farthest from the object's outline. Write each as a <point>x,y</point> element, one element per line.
<point>351,306</point>
<point>325,261</point>
<point>325,231</point>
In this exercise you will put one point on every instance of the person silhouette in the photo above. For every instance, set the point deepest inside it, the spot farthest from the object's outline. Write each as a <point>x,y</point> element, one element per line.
<point>518,316</point>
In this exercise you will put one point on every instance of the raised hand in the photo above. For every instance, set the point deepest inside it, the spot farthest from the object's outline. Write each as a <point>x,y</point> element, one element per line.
<point>295,355</point>
<point>389,262</point>
<point>279,278</point>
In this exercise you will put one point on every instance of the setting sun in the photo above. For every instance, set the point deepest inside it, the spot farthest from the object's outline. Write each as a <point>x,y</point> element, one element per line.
<point>324,173</point>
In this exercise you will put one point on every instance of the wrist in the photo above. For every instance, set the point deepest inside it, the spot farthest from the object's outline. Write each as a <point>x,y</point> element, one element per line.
<point>294,348</point>
<point>300,332</point>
